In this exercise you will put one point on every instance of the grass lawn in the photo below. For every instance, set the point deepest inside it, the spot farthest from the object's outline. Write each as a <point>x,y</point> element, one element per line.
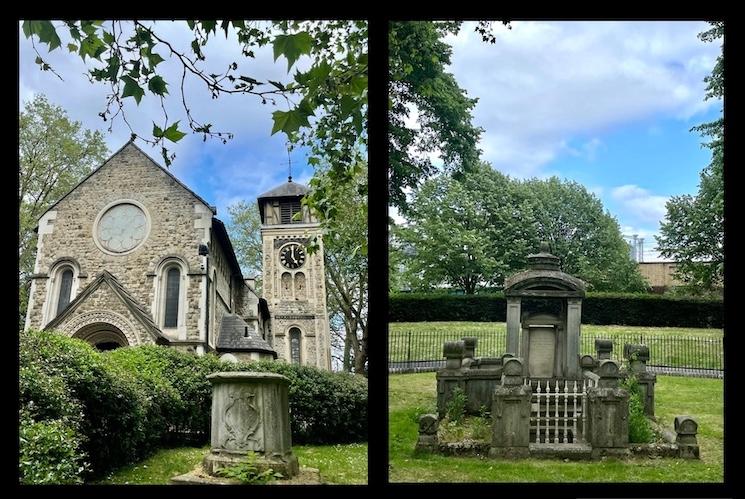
<point>413,394</point>
<point>338,464</point>
<point>670,346</point>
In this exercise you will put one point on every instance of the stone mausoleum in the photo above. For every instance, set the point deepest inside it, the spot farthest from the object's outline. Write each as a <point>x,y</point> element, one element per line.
<point>132,256</point>
<point>543,397</point>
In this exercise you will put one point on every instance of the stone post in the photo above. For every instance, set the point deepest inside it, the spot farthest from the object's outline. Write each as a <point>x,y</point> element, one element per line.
<point>638,356</point>
<point>250,413</point>
<point>427,441</point>
<point>469,353</point>
<point>453,351</point>
<point>587,363</point>
<point>574,318</point>
<point>607,413</point>
<point>511,413</point>
<point>686,429</point>
<point>513,325</point>
<point>452,375</point>
<point>603,349</point>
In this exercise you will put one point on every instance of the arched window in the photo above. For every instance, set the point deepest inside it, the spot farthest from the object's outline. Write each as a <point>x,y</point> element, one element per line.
<point>300,286</point>
<point>295,345</point>
<point>286,285</point>
<point>173,281</point>
<point>62,288</point>
<point>65,289</point>
<point>169,299</point>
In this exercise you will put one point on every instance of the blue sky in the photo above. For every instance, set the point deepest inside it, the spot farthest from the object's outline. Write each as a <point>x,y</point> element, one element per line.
<point>252,163</point>
<point>607,104</point>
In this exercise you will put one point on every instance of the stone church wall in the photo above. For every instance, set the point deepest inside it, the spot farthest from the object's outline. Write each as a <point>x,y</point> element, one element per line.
<point>178,224</point>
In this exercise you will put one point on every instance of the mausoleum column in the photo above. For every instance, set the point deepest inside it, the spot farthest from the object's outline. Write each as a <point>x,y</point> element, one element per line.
<point>513,325</point>
<point>574,314</point>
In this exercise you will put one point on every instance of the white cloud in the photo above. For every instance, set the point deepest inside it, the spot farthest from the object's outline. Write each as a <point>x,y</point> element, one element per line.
<point>640,203</point>
<point>544,83</point>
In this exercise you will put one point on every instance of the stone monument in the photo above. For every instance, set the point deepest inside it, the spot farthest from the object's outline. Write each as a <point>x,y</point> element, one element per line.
<point>250,413</point>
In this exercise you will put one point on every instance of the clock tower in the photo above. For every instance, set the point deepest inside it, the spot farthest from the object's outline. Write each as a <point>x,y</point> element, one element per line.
<point>294,281</point>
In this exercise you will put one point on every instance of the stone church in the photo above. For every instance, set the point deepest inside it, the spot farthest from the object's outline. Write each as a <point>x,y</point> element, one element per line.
<point>132,256</point>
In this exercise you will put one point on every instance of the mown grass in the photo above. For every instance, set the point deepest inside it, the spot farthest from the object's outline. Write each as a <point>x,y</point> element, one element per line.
<point>337,464</point>
<point>414,394</point>
<point>679,347</point>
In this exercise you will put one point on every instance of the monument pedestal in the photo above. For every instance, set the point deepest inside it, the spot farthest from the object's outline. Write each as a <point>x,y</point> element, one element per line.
<point>250,414</point>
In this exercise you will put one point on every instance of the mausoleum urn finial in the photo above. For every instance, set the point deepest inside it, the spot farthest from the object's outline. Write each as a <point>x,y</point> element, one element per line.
<point>543,260</point>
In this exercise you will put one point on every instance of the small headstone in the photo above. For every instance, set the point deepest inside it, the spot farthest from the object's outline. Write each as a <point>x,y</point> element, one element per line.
<point>686,429</point>
<point>427,440</point>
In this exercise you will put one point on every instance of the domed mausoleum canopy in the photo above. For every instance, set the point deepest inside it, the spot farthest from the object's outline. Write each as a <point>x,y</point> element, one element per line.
<point>544,278</point>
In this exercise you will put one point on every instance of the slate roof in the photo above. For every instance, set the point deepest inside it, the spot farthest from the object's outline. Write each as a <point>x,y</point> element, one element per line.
<point>232,337</point>
<point>287,190</point>
<point>140,313</point>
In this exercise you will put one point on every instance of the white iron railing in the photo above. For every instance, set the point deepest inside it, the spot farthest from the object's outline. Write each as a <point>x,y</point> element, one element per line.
<point>558,409</point>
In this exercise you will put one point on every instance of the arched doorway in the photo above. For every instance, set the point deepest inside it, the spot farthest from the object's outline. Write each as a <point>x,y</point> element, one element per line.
<point>102,336</point>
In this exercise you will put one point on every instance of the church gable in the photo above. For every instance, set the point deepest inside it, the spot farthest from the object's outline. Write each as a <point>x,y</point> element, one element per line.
<point>105,305</point>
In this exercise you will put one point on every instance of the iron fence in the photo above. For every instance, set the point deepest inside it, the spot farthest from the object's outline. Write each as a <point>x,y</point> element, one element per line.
<point>683,355</point>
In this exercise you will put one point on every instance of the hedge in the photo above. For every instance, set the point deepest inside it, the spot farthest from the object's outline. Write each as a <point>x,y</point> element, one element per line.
<point>84,413</point>
<point>325,407</point>
<point>597,308</point>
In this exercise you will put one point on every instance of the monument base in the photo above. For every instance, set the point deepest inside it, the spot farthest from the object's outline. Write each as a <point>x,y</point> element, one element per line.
<point>287,464</point>
<point>198,476</point>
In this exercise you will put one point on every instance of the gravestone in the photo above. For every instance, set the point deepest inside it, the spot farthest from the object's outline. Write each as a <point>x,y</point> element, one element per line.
<point>542,346</point>
<point>250,413</point>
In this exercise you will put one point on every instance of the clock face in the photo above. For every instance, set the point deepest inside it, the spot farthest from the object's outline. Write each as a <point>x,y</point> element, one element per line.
<point>122,228</point>
<point>292,256</point>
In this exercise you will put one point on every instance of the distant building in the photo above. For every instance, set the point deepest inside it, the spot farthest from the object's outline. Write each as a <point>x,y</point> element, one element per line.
<point>659,275</point>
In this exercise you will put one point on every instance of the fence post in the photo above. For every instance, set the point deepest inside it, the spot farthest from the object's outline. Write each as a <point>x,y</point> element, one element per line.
<point>408,349</point>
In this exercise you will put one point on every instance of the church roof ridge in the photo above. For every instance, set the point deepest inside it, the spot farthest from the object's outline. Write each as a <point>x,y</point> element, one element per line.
<point>118,151</point>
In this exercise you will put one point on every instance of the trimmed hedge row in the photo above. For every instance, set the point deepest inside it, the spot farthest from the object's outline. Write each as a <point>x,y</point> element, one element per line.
<point>597,308</point>
<point>84,413</point>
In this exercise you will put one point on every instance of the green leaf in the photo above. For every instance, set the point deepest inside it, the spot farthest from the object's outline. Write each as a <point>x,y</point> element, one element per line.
<point>277,84</point>
<point>72,47</point>
<point>173,134</point>
<point>289,121</point>
<point>208,26</point>
<point>239,24</point>
<point>292,47</point>
<point>358,83</point>
<point>190,24</point>
<point>225,25</point>
<point>44,30</point>
<point>132,89</point>
<point>154,59</point>
<point>157,85</point>
<point>157,131</point>
<point>108,38</point>
<point>347,103</point>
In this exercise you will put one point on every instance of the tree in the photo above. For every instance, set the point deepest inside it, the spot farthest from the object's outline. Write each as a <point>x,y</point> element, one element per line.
<point>693,231</point>
<point>55,153</point>
<point>245,234</point>
<point>587,238</point>
<point>346,272</point>
<point>326,104</point>
<point>418,83</point>
<point>474,231</point>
